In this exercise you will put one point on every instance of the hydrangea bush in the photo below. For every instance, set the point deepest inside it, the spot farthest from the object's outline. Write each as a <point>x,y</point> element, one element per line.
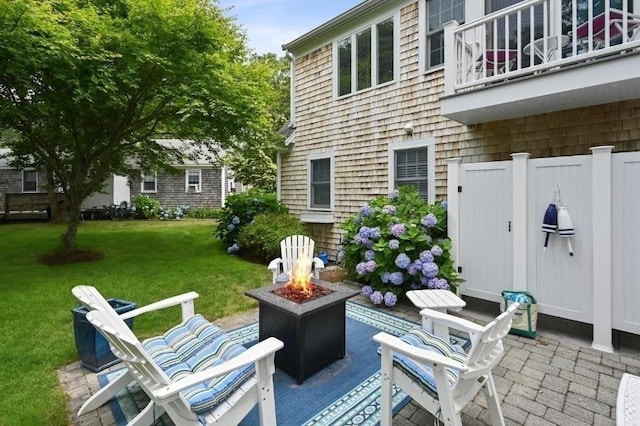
<point>239,210</point>
<point>398,243</point>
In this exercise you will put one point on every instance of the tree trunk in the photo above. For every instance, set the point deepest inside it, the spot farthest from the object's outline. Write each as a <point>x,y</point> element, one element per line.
<point>69,236</point>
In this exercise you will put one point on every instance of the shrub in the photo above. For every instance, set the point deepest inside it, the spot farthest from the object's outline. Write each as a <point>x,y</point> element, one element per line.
<point>239,210</point>
<point>177,213</point>
<point>203,212</point>
<point>398,243</point>
<point>261,238</point>
<point>146,206</point>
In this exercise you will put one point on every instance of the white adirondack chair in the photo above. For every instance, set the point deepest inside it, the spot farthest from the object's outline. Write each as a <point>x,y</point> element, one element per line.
<point>291,248</point>
<point>210,392</point>
<point>92,299</point>
<point>440,377</point>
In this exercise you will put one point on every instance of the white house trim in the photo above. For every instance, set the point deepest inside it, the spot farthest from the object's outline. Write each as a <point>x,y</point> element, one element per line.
<point>430,144</point>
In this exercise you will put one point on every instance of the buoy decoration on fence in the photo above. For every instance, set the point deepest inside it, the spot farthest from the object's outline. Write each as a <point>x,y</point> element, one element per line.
<point>557,218</point>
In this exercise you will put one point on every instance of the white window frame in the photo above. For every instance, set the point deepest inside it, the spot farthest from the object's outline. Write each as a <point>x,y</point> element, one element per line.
<point>430,145</point>
<point>155,181</point>
<point>472,10</point>
<point>373,26</point>
<point>23,180</point>
<point>193,187</point>
<point>323,214</point>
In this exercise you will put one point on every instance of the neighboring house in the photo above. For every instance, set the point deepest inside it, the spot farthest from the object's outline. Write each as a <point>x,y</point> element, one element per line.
<point>392,91</point>
<point>199,181</point>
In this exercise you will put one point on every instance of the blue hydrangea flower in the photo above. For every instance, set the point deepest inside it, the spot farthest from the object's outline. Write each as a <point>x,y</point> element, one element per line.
<point>393,195</point>
<point>367,290</point>
<point>229,250</point>
<point>235,220</point>
<point>374,233</point>
<point>402,261</point>
<point>369,255</point>
<point>371,266</point>
<point>413,269</point>
<point>365,210</point>
<point>429,220</point>
<point>361,268</point>
<point>398,229</point>
<point>235,247</point>
<point>426,256</point>
<point>390,299</point>
<point>389,209</point>
<point>376,297</point>
<point>440,284</point>
<point>393,244</point>
<point>363,232</point>
<point>386,276</point>
<point>396,278</point>
<point>436,250</point>
<point>444,204</point>
<point>231,227</point>
<point>430,270</point>
<point>425,281</point>
<point>418,264</point>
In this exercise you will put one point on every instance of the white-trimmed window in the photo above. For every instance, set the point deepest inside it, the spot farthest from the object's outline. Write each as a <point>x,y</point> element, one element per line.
<point>193,180</point>
<point>368,57</point>
<point>413,163</point>
<point>149,182</point>
<point>320,187</point>
<point>438,13</point>
<point>29,181</point>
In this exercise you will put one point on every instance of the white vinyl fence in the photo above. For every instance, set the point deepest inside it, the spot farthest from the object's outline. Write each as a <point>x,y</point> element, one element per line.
<point>496,212</point>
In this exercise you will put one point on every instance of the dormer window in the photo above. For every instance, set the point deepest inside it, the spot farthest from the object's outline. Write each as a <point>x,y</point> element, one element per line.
<point>367,58</point>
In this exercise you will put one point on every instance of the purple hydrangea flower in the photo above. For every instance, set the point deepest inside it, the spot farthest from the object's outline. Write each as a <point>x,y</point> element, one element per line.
<point>398,229</point>
<point>376,297</point>
<point>231,227</point>
<point>431,283</point>
<point>235,220</point>
<point>430,270</point>
<point>369,255</point>
<point>441,284</point>
<point>402,261</point>
<point>363,232</point>
<point>371,266</point>
<point>386,276</point>
<point>418,264</point>
<point>393,195</point>
<point>426,256</point>
<point>367,290</point>
<point>394,244</point>
<point>396,278</point>
<point>361,268</point>
<point>429,220</point>
<point>436,250</point>
<point>424,281</point>
<point>390,299</point>
<point>365,210</point>
<point>389,209</point>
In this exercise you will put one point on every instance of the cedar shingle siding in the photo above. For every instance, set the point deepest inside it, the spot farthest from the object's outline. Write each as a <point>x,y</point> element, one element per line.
<point>360,128</point>
<point>171,189</point>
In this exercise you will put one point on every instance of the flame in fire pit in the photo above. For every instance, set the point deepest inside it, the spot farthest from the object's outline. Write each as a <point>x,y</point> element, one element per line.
<point>300,277</point>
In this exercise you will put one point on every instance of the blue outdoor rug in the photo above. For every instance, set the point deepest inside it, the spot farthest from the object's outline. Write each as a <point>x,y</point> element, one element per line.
<point>347,392</point>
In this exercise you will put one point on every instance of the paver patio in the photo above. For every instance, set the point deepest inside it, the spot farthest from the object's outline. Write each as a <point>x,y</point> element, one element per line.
<point>554,379</point>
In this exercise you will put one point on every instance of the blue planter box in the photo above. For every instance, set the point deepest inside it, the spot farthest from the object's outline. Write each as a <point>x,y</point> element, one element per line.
<point>93,349</point>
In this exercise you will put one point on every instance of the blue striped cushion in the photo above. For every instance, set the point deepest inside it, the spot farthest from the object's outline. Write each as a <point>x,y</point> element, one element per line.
<point>193,346</point>
<point>420,338</point>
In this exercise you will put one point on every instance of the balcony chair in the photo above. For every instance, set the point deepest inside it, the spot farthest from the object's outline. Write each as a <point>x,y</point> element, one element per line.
<point>616,30</point>
<point>440,377</point>
<point>193,372</point>
<point>291,248</point>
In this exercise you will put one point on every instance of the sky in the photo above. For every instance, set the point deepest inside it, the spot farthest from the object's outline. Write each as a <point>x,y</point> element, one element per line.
<point>271,23</point>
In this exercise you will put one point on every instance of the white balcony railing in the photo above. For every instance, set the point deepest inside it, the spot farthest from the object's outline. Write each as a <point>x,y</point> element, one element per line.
<point>532,37</point>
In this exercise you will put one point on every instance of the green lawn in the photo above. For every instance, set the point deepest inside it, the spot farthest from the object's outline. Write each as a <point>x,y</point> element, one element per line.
<point>144,261</point>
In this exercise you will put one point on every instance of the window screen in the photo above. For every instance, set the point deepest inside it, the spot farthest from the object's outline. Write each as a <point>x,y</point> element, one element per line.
<point>411,169</point>
<point>363,40</point>
<point>344,67</point>
<point>321,183</point>
<point>149,183</point>
<point>385,51</point>
<point>29,181</point>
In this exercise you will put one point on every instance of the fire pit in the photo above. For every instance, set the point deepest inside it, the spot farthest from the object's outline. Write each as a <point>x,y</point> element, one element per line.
<point>311,327</point>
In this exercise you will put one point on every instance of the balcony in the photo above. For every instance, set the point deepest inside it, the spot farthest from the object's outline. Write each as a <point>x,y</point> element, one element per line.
<point>540,56</point>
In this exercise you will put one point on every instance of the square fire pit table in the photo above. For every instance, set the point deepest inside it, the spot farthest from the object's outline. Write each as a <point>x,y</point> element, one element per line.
<point>313,332</point>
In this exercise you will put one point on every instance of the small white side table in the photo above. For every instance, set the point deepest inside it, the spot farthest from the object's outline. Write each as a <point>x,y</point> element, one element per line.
<point>439,300</point>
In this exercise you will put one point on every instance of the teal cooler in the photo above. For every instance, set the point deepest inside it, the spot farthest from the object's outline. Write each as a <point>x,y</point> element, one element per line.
<point>93,349</point>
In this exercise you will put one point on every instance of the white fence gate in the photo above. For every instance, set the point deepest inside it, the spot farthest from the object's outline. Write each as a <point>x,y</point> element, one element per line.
<point>495,218</point>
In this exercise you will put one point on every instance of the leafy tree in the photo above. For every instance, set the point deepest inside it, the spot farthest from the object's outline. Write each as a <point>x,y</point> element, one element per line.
<point>87,84</point>
<point>254,163</point>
